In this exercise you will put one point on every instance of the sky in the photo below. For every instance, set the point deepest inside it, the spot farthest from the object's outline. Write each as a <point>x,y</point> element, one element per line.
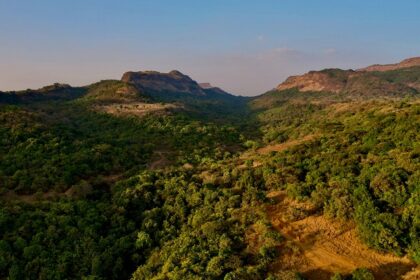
<point>245,47</point>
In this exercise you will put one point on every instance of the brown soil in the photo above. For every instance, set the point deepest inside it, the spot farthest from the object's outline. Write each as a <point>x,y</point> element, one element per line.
<point>318,247</point>
<point>410,62</point>
<point>159,160</point>
<point>253,155</point>
<point>313,81</point>
<point>284,146</point>
<point>135,108</point>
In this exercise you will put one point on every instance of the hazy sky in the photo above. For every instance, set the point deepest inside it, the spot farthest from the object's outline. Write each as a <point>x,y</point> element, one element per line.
<point>245,47</point>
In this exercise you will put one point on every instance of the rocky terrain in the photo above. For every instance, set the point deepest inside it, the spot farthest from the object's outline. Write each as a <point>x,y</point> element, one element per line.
<point>406,63</point>
<point>326,80</point>
<point>379,80</point>
<point>153,81</point>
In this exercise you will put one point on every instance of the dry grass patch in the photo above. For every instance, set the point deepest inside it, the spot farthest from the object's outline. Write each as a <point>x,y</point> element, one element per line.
<point>318,247</point>
<point>135,108</point>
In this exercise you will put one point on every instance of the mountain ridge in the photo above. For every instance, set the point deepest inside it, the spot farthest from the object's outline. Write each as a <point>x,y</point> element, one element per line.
<point>406,63</point>
<point>376,80</point>
<point>154,81</point>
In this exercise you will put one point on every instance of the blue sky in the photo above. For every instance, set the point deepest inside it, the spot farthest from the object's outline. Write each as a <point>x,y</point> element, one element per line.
<point>245,47</point>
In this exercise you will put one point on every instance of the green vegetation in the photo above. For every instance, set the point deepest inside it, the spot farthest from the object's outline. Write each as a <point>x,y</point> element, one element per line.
<point>362,164</point>
<point>88,195</point>
<point>56,146</point>
<point>167,225</point>
<point>402,76</point>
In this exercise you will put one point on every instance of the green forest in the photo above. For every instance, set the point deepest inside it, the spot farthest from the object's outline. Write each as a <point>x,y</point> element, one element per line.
<point>85,194</point>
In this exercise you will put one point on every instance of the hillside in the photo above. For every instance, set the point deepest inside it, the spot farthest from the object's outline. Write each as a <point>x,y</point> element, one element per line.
<point>406,63</point>
<point>48,93</point>
<point>156,176</point>
<point>172,82</point>
<point>396,80</point>
<point>172,85</point>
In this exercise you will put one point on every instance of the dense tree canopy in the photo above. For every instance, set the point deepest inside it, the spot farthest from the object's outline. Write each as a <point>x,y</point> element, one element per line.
<point>81,197</point>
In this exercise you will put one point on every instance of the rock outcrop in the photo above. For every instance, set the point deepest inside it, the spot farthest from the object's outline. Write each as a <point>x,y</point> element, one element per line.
<point>378,80</point>
<point>407,63</point>
<point>330,80</point>
<point>172,82</point>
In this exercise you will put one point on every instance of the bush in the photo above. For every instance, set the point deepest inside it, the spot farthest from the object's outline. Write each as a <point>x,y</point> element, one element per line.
<point>362,274</point>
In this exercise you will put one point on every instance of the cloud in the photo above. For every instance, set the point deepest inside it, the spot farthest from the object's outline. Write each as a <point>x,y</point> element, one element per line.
<point>330,51</point>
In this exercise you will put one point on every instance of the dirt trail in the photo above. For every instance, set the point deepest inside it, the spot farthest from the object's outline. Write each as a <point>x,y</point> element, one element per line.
<point>318,247</point>
<point>160,162</point>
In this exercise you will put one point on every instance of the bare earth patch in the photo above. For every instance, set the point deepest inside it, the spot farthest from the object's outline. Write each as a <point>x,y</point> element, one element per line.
<point>159,160</point>
<point>252,155</point>
<point>135,108</point>
<point>318,247</point>
<point>284,146</point>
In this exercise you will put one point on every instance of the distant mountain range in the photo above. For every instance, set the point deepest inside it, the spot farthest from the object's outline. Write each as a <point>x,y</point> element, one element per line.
<point>392,80</point>
<point>133,85</point>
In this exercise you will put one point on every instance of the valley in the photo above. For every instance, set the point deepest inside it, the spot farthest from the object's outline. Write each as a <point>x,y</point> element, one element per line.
<point>157,176</point>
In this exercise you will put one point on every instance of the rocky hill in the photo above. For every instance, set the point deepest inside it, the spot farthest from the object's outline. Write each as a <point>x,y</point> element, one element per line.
<point>172,82</point>
<point>205,85</point>
<point>375,81</point>
<point>55,91</point>
<point>112,91</point>
<point>331,80</point>
<point>409,62</point>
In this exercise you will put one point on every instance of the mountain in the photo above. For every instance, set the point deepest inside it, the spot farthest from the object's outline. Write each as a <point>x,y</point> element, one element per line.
<point>406,63</point>
<point>139,94</point>
<point>133,86</point>
<point>201,100</point>
<point>394,80</point>
<point>173,85</point>
<point>205,85</point>
<point>212,91</point>
<point>172,82</point>
<point>112,91</point>
<point>331,80</point>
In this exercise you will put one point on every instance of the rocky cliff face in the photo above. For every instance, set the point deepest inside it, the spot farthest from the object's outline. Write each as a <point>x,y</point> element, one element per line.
<point>172,82</point>
<point>205,85</point>
<point>410,62</point>
<point>331,80</point>
<point>378,80</point>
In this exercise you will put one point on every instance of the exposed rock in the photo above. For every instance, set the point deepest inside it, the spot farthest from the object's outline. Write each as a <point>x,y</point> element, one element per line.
<point>391,81</point>
<point>410,62</point>
<point>172,82</point>
<point>205,85</point>
<point>330,80</point>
